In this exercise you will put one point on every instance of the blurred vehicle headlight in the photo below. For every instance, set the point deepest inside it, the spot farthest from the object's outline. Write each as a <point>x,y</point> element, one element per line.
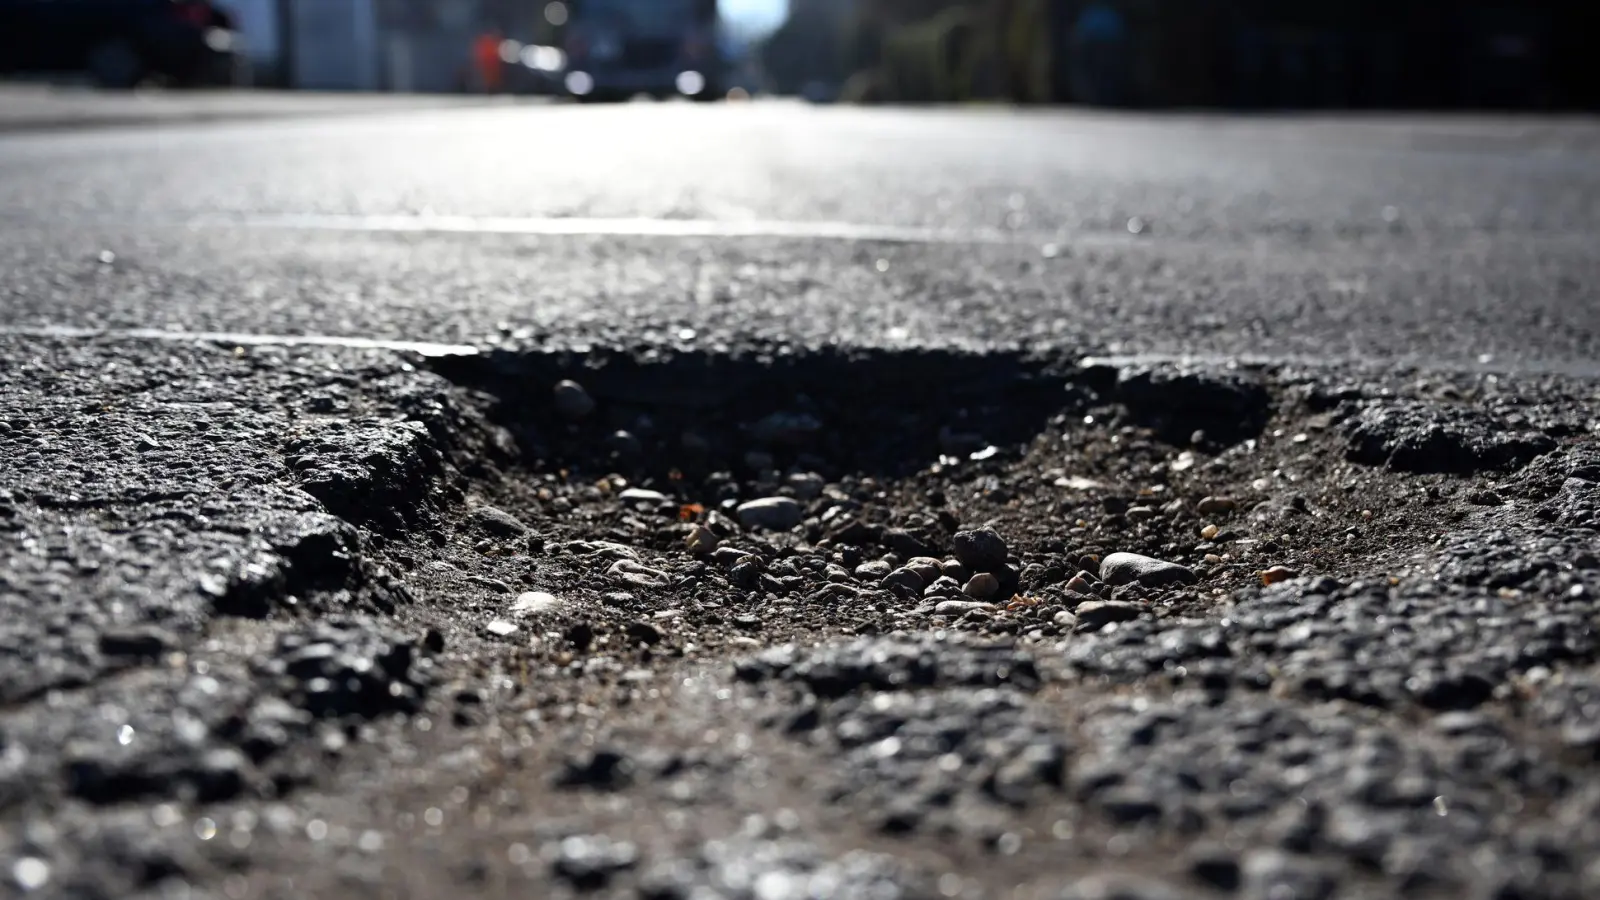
<point>219,39</point>
<point>579,84</point>
<point>691,83</point>
<point>544,59</point>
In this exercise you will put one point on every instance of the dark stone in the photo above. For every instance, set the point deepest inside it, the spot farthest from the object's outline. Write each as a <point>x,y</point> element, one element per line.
<point>904,543</point>
<point>348,668</point>
<point>580,635</point>
<point>746,574</point>
<point>623,445</point>
<point>497,522</point>
<point>644,632</point>
<point>981,549</point>
<point>1461,690</point>
<point>1126,806</point>
<point>142,642</point>
<point>1215,867</point>
<point>1096,614</point>
<point>855,531</point>
<point>602,769</point>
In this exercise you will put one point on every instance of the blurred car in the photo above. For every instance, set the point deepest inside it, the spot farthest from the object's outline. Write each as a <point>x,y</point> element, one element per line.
<point>121,43</point>
<point>618,48</point>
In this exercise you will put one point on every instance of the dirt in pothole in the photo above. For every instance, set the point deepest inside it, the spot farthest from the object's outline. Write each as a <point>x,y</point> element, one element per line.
<point>633,508</point>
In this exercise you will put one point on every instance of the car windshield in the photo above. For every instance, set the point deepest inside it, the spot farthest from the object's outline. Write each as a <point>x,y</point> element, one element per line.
<point>647,15</point>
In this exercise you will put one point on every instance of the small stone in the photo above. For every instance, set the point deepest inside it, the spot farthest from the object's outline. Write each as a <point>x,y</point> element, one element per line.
<point>1215,866</point>
<point>873,570</point>
<point>1277,574</point>
<point>954,568</point>
<point>927,567</point>
<point>981,586</point>
<point>905,578</point>
<point>30,873</point>
<point>746,573</point>
<point>1215,506</point>
<point>850,530</point>
<point>143,642</point>
<point>1096,614</point>
<point>1127,568</point>
<point>1139,513</point>
<point>624,445</point>
<point>955,609</point>
<point>220,774</point>
<point>1064,619</point>
<point>642,494</point>
<point>604,768</point>
<point>807,485</point>
<point>501,628</point>
<point>644,632</point>
<point>771,513</point>
<point>498,522</point>
<point>1081,583</point>
<point>499,587</point>
<point>981,549</point>
<point>944,586</point>
<point>572,401</point>
<point>1210,532</point>
<point>701,541</point>
<point>538,603</point>
<point>638,575</point>
<point>903,542</point>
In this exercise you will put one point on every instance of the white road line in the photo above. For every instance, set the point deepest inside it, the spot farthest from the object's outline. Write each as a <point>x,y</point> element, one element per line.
<point>644,227</point>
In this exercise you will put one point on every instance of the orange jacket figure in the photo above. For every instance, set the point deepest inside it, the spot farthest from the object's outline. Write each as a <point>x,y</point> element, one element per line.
<point>486,54</point>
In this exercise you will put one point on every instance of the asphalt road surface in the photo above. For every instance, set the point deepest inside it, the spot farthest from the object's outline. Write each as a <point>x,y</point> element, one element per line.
<point>677,501</point>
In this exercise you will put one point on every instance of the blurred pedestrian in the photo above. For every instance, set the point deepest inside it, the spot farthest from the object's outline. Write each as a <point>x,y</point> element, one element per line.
<point>486,58</point>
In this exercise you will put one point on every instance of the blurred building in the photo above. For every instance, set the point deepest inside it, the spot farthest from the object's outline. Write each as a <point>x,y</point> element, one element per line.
<point>368,45</point>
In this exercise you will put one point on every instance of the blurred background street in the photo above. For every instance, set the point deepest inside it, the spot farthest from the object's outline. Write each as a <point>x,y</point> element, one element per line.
<point>1147,53</point>
<point>823,450</point>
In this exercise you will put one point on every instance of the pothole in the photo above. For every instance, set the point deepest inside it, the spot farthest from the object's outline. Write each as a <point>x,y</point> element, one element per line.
<point>723,499</point>
<point>687,416</point>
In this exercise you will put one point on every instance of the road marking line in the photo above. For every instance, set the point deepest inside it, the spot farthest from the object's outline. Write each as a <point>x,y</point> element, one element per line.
<point>644,227</point>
